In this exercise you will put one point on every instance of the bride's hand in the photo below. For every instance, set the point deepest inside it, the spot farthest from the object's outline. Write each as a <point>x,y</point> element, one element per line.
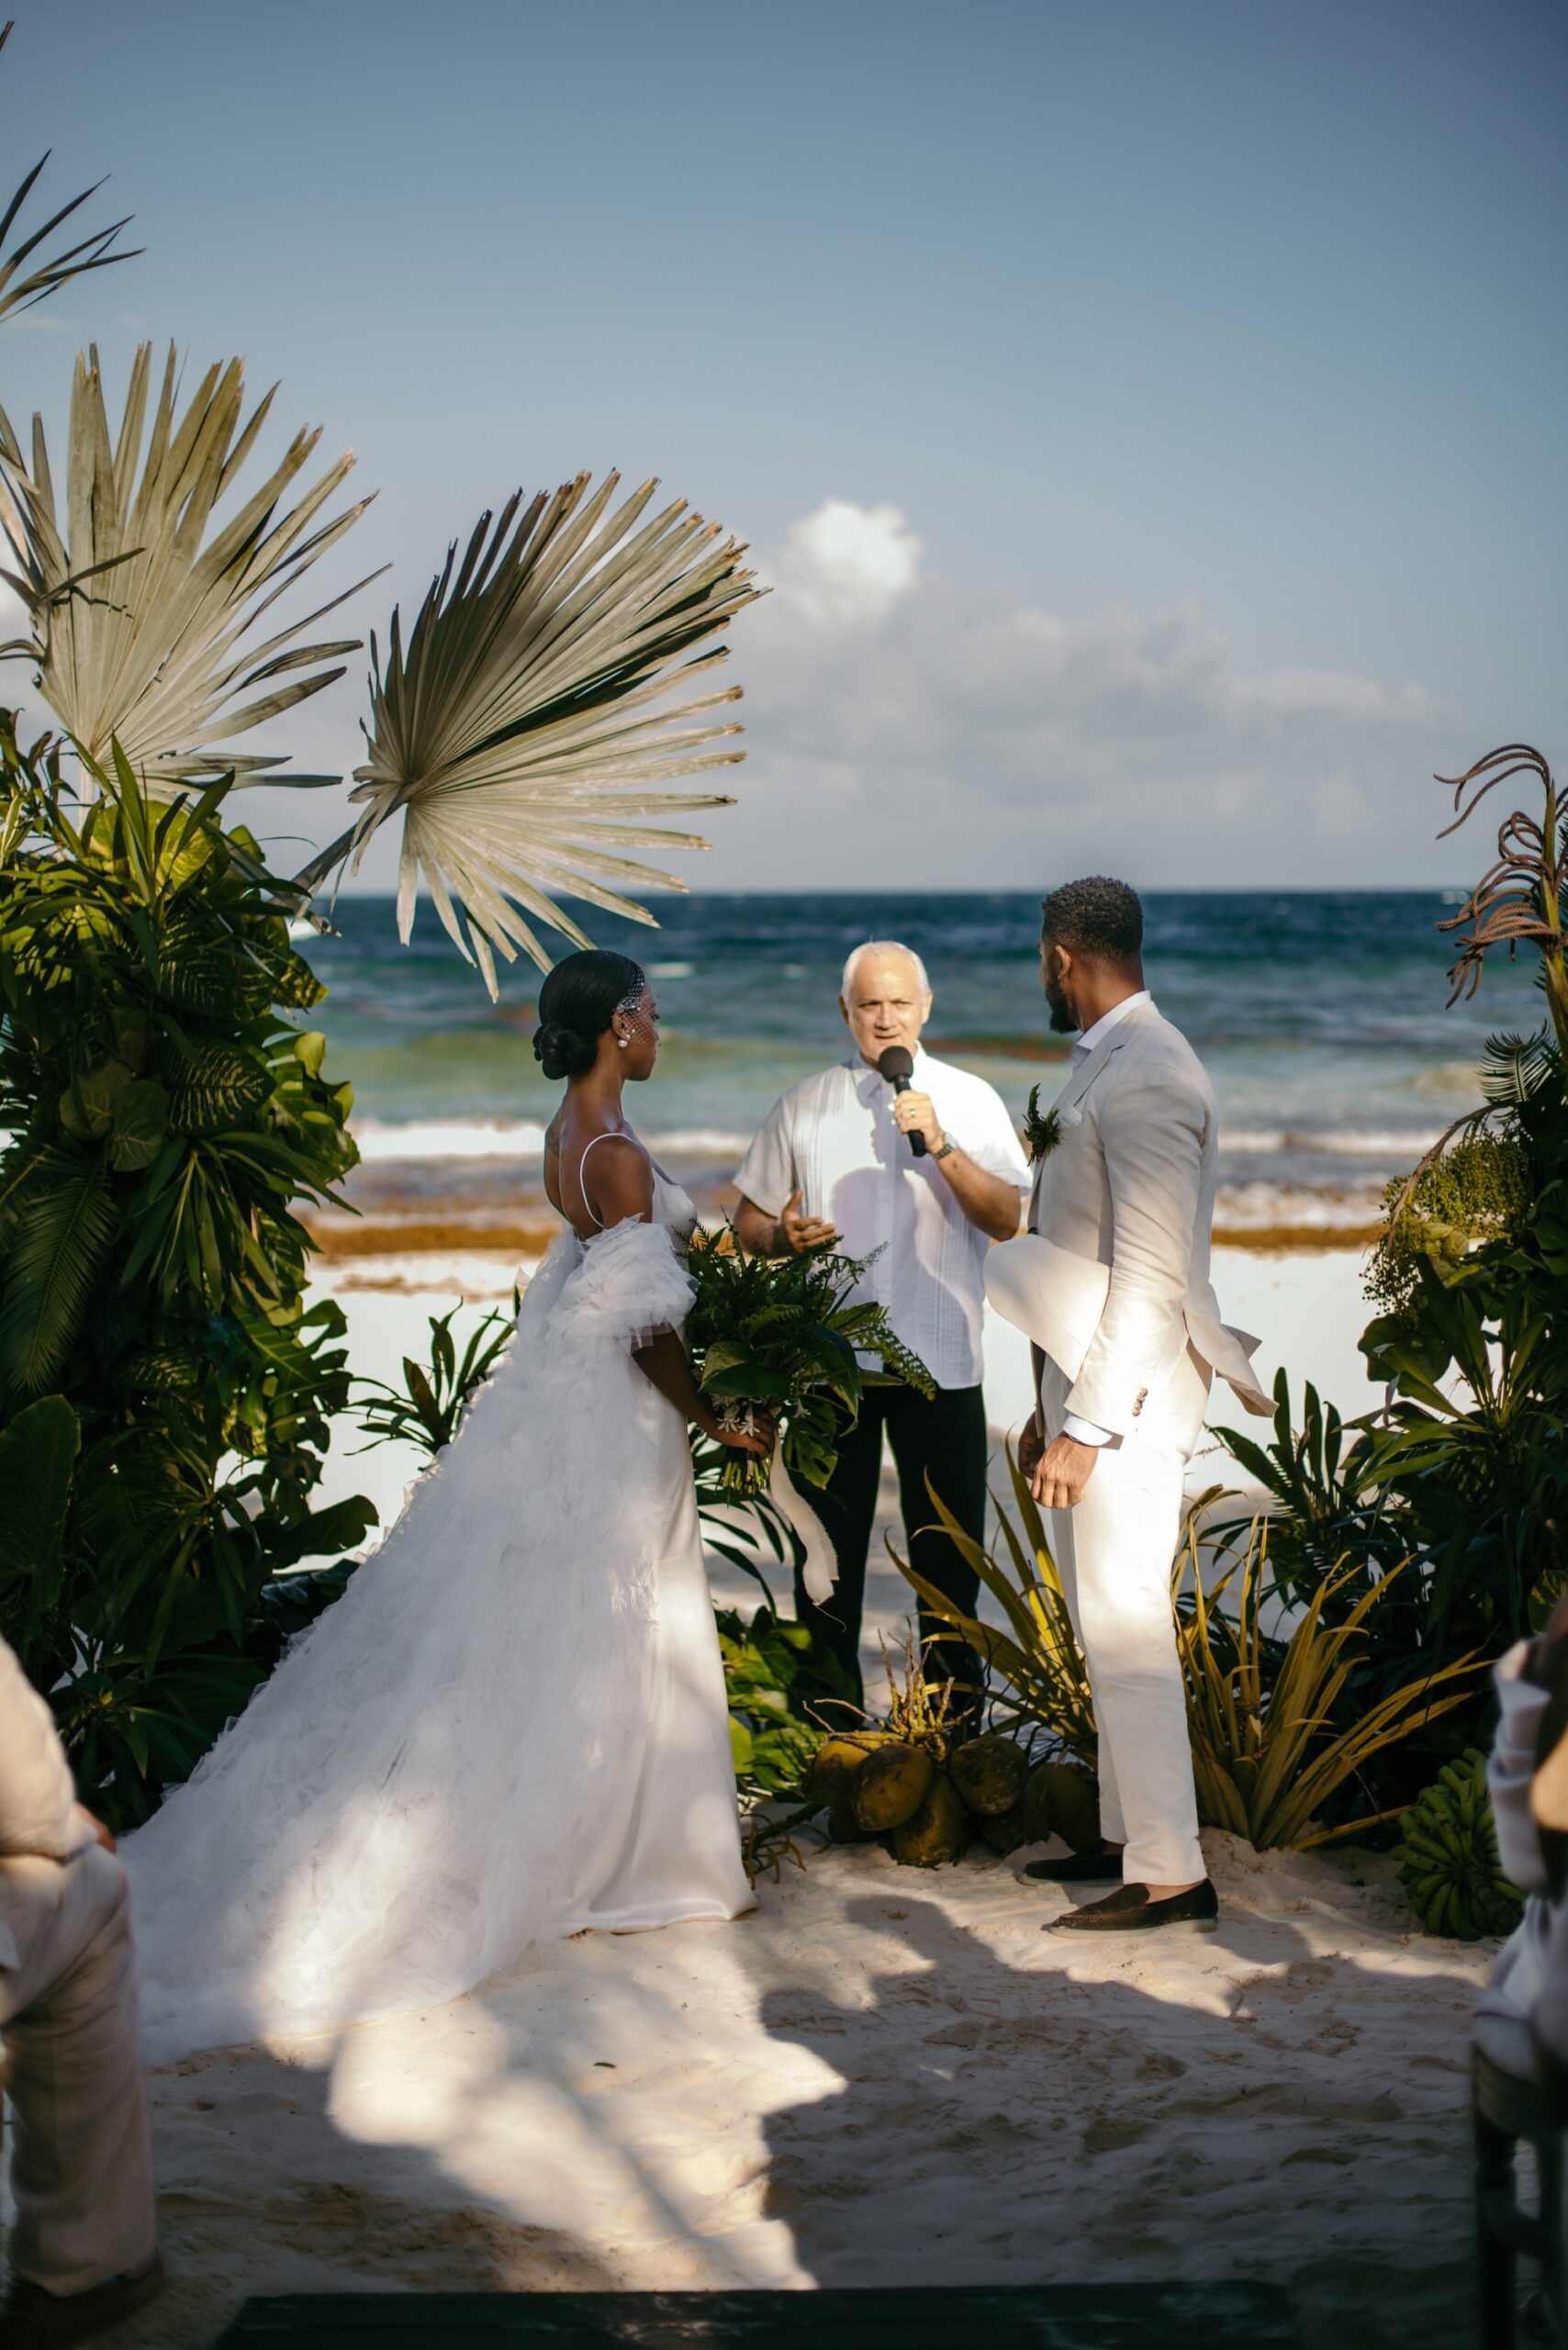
<point>759,1439</point>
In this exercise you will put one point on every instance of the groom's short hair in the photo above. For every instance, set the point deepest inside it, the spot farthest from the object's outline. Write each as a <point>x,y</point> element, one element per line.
<point>1097,917</point>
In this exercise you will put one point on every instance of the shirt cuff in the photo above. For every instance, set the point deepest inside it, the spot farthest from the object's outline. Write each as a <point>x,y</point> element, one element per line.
<point>1085,1431</point>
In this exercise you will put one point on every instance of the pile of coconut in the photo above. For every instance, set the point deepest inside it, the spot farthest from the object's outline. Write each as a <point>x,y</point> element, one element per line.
<point>927,1788</point>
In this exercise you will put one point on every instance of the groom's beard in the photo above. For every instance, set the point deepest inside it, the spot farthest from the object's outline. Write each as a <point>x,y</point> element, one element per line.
<point>1062,1021</point>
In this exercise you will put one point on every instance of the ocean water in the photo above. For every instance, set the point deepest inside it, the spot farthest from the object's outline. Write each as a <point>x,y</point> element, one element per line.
<point>1321,1016</point>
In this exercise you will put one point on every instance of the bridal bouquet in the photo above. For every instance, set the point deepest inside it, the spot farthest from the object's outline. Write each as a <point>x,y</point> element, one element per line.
<point>777,1336</point>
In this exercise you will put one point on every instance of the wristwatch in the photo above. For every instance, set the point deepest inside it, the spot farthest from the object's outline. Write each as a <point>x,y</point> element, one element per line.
<point>948,1146</point>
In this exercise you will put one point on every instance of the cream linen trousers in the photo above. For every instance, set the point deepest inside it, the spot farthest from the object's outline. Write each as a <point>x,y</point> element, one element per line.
<point>81,2169</point>
<point>1114,1553</point>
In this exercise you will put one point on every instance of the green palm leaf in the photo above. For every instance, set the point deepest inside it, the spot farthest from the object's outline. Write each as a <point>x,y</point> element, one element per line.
<point>515,732</point>
<point>38,1454</point>
<point>140,592</point>
<point>61,1230</point>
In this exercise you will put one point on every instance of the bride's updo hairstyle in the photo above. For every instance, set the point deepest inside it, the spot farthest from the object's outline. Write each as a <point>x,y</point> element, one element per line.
<point>579,999</point>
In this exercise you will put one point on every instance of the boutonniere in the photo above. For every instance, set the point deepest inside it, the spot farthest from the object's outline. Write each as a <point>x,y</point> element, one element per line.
<point>1042,1128</point>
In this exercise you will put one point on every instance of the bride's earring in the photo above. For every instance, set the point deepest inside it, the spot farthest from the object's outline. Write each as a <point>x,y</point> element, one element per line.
<point>624,1042</point>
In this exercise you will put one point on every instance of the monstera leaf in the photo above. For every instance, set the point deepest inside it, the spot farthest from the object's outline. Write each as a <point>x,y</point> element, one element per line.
<point>140,592</point>
<point>515,732</point>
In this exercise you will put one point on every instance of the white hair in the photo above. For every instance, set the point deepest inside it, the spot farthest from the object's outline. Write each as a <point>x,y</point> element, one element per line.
<point>882,947</point>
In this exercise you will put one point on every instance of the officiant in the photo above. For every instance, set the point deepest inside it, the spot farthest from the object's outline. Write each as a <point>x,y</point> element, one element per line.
<point>930,1174</point>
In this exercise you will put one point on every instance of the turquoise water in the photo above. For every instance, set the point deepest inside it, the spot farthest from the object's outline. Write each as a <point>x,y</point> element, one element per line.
<point>1320,1015</point>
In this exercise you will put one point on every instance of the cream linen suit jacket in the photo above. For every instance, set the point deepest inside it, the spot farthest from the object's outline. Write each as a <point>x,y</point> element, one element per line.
<point>1130,1185</point>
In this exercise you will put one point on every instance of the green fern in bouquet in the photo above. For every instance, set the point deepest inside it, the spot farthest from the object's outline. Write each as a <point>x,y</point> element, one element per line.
<point>783,1337</point>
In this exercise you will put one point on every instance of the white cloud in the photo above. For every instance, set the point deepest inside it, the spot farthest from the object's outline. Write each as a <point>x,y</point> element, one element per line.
<point>908,726</point>
<point>846,564</point>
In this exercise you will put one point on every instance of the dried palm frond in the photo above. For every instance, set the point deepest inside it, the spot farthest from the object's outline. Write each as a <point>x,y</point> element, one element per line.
<point>140,597</point>
<point>1520,899</point>
<point>19,291</point>
<point>508,728</point>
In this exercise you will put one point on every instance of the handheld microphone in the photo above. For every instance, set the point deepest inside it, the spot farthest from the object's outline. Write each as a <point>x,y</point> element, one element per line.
<point>897,1065</point>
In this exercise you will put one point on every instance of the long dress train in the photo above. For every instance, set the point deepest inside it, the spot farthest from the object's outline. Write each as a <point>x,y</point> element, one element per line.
<point>511,1725</point>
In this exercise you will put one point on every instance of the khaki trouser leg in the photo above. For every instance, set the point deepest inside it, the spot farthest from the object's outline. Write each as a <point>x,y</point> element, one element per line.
<point>81,2163</point>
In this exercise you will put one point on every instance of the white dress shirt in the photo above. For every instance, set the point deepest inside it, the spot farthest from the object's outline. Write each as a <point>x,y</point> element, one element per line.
<point>832,1138</point>
<point>1074,1425</point>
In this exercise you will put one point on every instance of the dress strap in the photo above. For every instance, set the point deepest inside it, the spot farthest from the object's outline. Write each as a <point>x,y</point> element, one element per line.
<point>582,1186</point>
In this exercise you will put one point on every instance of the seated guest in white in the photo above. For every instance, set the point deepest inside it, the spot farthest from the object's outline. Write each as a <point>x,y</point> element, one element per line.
<point>834,1162</point>
<point>82,2249</point>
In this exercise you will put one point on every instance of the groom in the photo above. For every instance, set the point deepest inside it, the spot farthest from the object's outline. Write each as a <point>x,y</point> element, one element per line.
<point>1128,1183</point>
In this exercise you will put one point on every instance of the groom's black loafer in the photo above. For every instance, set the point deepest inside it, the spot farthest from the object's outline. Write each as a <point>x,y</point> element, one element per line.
<point>1129,1910</point>
<point>1101,1867</point>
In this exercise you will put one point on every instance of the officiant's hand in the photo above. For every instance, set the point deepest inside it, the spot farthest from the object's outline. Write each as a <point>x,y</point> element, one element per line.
<point>1064,1469</point>
<point>798,1232</point>
<point>915,1114</point>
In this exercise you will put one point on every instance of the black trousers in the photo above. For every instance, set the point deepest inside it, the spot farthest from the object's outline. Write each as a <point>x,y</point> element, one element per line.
<point>947,1439</point>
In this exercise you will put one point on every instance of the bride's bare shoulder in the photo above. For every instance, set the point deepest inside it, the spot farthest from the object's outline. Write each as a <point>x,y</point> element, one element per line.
<point>603,1174</point>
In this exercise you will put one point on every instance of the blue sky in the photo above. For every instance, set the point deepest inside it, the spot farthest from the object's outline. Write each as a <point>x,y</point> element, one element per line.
<point>1149,414</point>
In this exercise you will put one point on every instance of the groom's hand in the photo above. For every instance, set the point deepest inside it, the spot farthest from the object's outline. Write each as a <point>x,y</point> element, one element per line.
<point>1031,1444</point>
<point>1064,1469</point>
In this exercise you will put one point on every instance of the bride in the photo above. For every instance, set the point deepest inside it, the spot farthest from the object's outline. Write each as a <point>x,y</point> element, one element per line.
<point>512,1725</point>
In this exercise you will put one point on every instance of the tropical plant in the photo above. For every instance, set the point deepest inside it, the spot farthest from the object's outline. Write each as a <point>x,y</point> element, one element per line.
<point>1270,1746</point>
<point>1326,1510</point>
<point>1037,1668</point>
<point>160,1369</point>
<point>1448,1860</point>
<point>1480,1188</point>
<point>153,654</point>
<point>22,286</point>
<point>777,1680</point>
<point>783,1336</point>
<point>740,1528</point>
<point>434,1395</point>
<point>1464,1471</point>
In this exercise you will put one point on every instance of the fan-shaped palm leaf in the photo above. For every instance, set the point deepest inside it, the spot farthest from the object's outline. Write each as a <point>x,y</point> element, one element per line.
<point>510,727</point>
<point>140,596</point>
<point>20,288</point>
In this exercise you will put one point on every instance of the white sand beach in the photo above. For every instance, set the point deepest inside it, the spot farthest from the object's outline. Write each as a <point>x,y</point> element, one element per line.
<point>881,2076</point>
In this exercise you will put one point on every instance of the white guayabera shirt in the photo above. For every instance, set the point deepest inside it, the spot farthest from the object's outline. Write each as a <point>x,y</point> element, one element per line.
<point>832,1138</point>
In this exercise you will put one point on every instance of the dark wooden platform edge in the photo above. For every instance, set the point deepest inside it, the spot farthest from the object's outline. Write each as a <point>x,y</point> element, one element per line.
<point>1012,2316</point>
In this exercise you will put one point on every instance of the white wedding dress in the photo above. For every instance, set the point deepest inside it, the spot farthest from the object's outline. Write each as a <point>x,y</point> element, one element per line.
<point>512,1725</point>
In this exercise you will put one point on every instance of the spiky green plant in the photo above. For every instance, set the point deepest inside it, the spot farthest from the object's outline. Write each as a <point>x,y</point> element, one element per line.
<point>1037,1671</point>
<point>1270,1746</point>
<point>426,1409</point>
